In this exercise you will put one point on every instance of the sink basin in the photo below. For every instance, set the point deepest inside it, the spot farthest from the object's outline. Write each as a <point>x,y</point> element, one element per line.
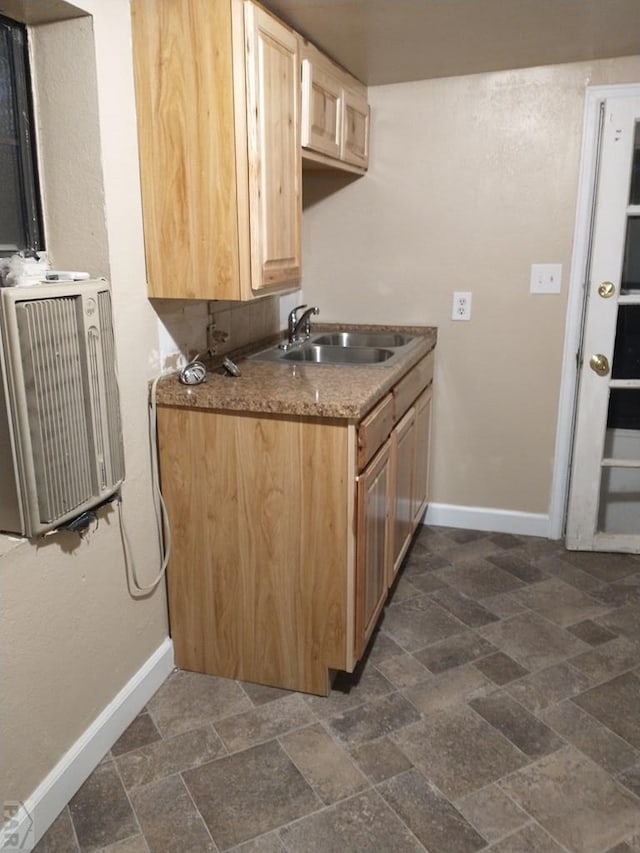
<point>333,354</point>
<point>363,339</point>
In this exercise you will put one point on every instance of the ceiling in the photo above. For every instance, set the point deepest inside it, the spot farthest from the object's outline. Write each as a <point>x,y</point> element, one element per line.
<point>393,41</point>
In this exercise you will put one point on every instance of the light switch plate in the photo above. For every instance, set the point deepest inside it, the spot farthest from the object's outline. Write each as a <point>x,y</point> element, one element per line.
<point>545,278</point>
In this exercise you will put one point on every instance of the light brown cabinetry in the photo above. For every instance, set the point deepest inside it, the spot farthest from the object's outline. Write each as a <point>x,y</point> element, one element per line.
<point>335,115</point>
<point>282,535</point>
<point>217,94</point>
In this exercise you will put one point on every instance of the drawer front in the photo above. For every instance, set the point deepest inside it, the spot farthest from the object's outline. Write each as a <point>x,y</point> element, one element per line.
<point>374,430</point>
<point>406,391</point>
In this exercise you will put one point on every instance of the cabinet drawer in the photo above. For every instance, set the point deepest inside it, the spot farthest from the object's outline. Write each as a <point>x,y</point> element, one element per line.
<point>412,385</point>
<point>374,430</point>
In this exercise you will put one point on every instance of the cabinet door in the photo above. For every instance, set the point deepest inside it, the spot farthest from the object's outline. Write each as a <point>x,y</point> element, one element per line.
<point>404,455</point>
<point>355,129</point>
<point>321,109</point>
<point>274,151</point>
<point>421,479</point>
<point>372,545</point>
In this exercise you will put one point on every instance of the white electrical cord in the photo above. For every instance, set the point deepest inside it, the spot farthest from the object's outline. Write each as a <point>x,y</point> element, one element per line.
<point>159,506</point>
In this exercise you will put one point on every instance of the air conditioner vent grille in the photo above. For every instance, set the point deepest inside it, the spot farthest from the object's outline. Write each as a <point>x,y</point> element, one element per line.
<point>57,412</point>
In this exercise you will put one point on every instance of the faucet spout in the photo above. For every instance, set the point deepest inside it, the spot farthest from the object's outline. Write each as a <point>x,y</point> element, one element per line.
<point>299,327</point>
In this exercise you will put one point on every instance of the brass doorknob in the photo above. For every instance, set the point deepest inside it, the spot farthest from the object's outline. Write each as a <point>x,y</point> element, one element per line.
<point>606,289</point>
<point>599,363</point>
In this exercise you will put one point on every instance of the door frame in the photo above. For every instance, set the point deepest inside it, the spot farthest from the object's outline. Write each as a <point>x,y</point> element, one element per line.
<point>595,96</point>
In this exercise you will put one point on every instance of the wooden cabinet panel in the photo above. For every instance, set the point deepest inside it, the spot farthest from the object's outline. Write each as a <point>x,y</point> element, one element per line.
<point>404,457</point>
<point>423,436</point>
<point>355,129</point>
<point>275,176</point>
<point>335,115</point>
<point>406,391</point>
<point>374,430</point>
<point>187,149</point>
<point>263,550</point>
<point>372,547</point>
<point>321,109</point>
<point>217,99</point>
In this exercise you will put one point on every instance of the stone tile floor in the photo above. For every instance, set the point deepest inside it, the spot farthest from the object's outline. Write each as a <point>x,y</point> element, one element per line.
<point>498,709</point>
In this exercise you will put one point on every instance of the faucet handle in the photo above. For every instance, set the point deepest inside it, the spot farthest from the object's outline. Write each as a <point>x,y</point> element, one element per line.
<point>293,316</point>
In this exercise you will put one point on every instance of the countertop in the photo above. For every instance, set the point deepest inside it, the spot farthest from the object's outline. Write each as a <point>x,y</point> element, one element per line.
<point>305,390</point>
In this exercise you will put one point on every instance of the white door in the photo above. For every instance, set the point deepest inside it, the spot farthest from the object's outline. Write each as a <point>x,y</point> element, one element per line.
<point>604,498</point>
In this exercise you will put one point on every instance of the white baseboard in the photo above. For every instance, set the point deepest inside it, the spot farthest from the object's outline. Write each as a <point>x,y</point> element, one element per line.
<point>484,518</point>
<point>33,817</point>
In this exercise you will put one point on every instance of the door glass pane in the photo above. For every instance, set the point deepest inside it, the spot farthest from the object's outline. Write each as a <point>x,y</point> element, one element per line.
<point>634,195</point>
<point>631,264</point>
<point>619,510</point>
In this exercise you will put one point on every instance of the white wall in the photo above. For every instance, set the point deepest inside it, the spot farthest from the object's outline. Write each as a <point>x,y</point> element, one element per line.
<point>71,633</point>
<point>472,179</point>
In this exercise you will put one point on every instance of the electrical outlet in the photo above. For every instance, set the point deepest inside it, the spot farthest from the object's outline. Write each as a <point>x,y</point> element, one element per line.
<point>461,307</point>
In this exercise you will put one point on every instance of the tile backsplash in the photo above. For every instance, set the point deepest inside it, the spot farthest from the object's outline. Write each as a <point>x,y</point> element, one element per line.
<point>182,325</point>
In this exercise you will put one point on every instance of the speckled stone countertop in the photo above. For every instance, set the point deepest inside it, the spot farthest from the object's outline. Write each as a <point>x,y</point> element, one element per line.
<point>301,389</point>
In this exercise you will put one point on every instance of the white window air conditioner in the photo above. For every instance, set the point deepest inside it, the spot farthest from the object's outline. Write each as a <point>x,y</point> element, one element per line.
<point>61,450</point>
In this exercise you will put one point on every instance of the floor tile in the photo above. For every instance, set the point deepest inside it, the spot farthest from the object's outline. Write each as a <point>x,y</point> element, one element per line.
<point>615,703</point>
<point>427,582</point>
<point>60,837</point>
<point>404,670</point>
<point>250,793</point>
<point>532,641</point>
<point>606,567</point>
<point>458,751</point>
<point>506,540</point>
<point>500,668</point>
<point>513,721</point>
<point>547,686</point>
<point>625,621</point>
<point>592,633</point>
<point>591,737</point>
<point>100,810</point>
<point>630,778</point>
<point>434,821</point>
<point>265,722</point>
<point>454,651</point>
<point>492,812</point>
<point>479,579</point>
<point>169,819</point>
<point>419,622</point>
<point>568,573</point>
<point>502,605</point>
<point>465,609</point>
<point>448,689</point>
<point>327,767</point>
<point>560,603</point>
<point>619,593</point>
<point>575,801</point>
<point>169,756</point>
<point>373,720</point>
<point>530,839</point>
<point>403,589</point>
<point>609,659</point>
<point>363,823</point>
<point>135,844</point>
<point>141,732</point>
<point>189,700</point>
<point>380,759</point>
<point>350,691</point>
<point>261,694</point>
<point>518,567</point>
<point>269,843</point>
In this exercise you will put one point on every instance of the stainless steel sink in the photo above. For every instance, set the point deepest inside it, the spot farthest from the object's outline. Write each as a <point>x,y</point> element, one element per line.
<point>363,339</point>
<point>335,354</point>
<point>350,346</point>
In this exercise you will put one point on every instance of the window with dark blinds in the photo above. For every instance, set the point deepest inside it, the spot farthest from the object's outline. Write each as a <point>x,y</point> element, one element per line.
<point>20,219</point>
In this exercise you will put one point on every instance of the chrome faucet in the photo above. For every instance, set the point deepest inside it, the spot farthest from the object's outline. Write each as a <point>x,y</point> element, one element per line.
<point>299,327</point>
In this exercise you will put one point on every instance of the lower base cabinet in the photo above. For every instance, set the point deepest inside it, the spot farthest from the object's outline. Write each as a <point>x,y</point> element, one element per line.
<point>283,533</point>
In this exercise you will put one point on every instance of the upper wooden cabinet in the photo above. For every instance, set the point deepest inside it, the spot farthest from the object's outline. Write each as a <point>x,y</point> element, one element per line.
<point>218,94</point>
<point>335,115</point>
